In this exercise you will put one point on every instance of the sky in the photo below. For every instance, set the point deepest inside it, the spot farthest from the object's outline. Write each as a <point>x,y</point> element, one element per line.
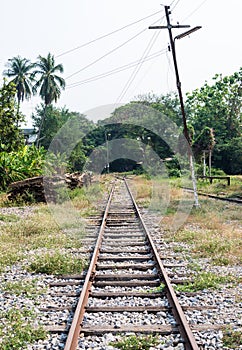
<point>69,30</point>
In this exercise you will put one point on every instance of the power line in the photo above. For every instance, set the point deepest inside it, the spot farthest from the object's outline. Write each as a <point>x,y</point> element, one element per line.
<point>197,8</point>
<point>175,4</point>
<point>137,68</point>
<point>116,70</point>
<point>106,35</point>
<point>109,52</point>
<point>106,54</point>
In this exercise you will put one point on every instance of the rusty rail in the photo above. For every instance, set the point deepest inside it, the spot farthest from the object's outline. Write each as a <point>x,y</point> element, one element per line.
<point>185,330</point>
<point>73,334</point>
<point>182,324</point>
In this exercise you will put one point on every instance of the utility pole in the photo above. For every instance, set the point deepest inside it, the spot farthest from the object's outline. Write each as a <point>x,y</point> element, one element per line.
<point>178,83</point>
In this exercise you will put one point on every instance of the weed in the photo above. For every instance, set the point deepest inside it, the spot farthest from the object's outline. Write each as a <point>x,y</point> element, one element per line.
<point>9,256</point>
<point>204,280</point>
<point>158,289</point>
<point>26,288</point>
<point>8,218</point>
<point>19,323</point>
<point>136,343</point>
<point>56,263</point>
<point>232,338</point>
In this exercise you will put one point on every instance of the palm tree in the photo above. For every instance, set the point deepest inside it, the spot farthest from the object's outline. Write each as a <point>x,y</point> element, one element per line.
<point>20,70</point>
<point>49,84</point>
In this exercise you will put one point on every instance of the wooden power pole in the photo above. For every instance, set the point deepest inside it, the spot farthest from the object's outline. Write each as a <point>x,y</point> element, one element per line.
<point>169,26</point>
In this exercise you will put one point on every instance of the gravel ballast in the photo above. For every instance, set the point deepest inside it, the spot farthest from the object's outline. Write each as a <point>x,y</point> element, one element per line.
<point>227,301</point>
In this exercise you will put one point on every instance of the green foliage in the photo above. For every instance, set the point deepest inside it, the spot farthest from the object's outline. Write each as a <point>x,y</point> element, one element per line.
<point>218,107</point>
<point>136,342</point>
<point>21,164</point>
<point>232,338</point>
<point>20,70</point>
<point>56,263</point>
<point>27,288</point>
<point>11,137</point>
<point>49,83</point>
<point>19,324</point>
<point>204,142</point>
<point>204,280</point>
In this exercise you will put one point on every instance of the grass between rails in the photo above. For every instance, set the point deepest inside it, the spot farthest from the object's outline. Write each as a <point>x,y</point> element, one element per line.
<point>136,343</point>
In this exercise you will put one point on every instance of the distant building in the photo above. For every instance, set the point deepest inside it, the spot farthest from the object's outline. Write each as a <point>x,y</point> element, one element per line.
<point>30,136</point>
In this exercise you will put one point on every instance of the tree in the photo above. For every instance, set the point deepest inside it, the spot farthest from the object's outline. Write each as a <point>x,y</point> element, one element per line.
<point>20,70</point>
<point>11,137</point>
<point>66,133</point>
<point>218,106</point>
<point>49,83</point>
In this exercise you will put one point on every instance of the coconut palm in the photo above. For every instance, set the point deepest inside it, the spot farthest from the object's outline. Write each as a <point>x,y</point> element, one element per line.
<point>48,82</point>
<point>20,70</point>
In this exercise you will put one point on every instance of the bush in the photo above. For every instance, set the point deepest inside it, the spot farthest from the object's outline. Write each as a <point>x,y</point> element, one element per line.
<point>18,165</point>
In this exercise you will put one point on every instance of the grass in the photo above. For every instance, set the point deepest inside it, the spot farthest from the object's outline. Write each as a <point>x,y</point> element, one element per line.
<point>232,338</point>
<point>27,288</point>
<point>220,188</point>
<point>56,263</point>
<point>205,280</point>
<point>43,245</point>
<point>19,323</point>
<point>50,227</point>
<point>212,231</point>
<point>136,342</point>
<point>8,217</point>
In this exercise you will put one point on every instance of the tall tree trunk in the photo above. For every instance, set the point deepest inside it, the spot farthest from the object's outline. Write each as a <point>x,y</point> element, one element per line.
<point>40,127</point>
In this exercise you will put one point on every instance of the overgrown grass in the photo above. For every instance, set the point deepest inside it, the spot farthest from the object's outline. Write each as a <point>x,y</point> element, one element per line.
<point>44,229</point>
<point>56,263</point>
<point>136,342</point>
<point>212,231</point>
<point>205,280</point>
<point>220,187</point>
<point>19,323</point>
<point>27,288</point>
<point>232,338</point>
<point>8,217</point>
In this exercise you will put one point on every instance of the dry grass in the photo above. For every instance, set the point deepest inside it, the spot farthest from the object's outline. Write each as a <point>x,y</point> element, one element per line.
<point>51,228</point>
<point>213,231</point>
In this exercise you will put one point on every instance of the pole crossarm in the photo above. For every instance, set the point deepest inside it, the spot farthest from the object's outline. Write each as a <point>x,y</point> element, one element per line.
<point>170,26</point>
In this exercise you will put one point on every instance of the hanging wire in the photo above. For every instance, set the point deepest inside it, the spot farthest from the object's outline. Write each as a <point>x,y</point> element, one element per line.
<point>116,70</point>
<point>106,35</point>
<point>138,67</point>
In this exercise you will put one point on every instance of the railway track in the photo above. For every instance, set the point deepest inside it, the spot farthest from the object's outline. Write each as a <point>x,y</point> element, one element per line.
<point>126,289</point>
<point>231,200</point>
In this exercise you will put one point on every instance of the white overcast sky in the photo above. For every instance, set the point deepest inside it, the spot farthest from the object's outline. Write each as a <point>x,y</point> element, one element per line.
<point>30,27</point>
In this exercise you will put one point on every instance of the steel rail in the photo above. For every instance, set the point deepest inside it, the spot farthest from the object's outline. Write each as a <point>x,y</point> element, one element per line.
<point>74,331</point>
<point>185,330</point>
<point>231,200</point>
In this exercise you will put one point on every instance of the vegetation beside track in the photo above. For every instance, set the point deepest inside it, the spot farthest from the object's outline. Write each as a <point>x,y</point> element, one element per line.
<point>212,231</point>
<point>40,241</point>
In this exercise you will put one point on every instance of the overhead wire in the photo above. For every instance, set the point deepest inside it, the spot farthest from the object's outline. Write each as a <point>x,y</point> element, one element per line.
<point>197,8</point>
<point>116,70</point>
<point>108,53</point>
<point>106,35</point>
<point>138,67</point>
<point>177,2</point>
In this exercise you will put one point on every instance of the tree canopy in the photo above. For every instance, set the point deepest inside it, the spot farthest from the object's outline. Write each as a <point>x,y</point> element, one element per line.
<point>218,107</point>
